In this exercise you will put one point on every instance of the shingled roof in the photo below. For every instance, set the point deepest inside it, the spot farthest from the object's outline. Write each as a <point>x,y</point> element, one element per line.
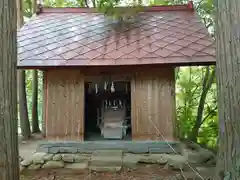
<point>81,37</point>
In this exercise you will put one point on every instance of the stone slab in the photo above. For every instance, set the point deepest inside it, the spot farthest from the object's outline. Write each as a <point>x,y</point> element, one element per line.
<point>80,158</point>
<point>106,161</point>
<point>68,158</point>
<point>108,153</point>
<point>48,157</point>
<point>131,160</point>
<point>38,158</point>
<point>26,162</point>
<point>57,157</point>
<point>53,165</point>
<point>126,146</point>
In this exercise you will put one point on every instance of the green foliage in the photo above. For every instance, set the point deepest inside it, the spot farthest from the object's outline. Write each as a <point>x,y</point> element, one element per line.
<point>167,2</point>
<point>27,8</point>
<point>60,3</point>
<point>111,8</point>
<point>188,92</point>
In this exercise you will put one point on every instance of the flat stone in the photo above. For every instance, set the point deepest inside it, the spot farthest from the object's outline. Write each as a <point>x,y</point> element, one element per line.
<point>164,149</point>
<point>57,157</point>
<point>127,146</point>
<point>147,160</point>
<point>207,172</point>
<point>136,149</point>
<point>68,158</point>
<point>34,166</point>
<point>53,150</point>
<point>159,159</point>
<point>192,157</point>
<point>79,158</point>
<point>79,166</point>
<point>48,157</point>
<point>38,158</point>
<point>108,153</point>
<point>197,154</point>
<point>130,160</point>
<point>176,162</point>
<point>26,162</point>
<point>72,150</point>
<point>106,161</point>
<point>53,165</point>
<point>206,155</point>
<point>105,168</point>
<point>212,161</point>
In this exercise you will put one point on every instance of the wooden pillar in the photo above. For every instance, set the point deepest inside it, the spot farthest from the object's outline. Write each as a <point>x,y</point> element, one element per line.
<point>153,104</point>
<point>64,105</point>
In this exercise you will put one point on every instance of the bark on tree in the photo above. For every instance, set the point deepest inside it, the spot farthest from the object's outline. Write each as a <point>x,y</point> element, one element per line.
<point>23,112</point>
<point>9,161</point>
<point>228,84</point>
<point>207,83</point>
<point>35,123</point>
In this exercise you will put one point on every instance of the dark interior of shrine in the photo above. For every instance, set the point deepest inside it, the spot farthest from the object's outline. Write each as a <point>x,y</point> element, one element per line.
<point>101,98</point>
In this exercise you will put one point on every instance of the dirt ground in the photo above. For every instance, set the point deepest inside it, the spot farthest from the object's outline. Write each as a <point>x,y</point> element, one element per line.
<point>149,172</point>
<point>28,147</point>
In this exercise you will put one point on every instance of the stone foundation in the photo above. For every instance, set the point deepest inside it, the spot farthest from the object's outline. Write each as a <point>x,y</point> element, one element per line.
<point>126,146</point>
<point>116,160</point>
<point>99,160</point>
<point>55,161</point>
<point>201,160</point>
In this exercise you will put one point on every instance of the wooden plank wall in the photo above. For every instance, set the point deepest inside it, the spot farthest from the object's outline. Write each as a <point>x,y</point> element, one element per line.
<point>153,104</point>
<point>64,105</point>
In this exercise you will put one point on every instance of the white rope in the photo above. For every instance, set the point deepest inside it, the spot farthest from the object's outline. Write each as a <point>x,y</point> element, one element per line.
<point>175,151</point>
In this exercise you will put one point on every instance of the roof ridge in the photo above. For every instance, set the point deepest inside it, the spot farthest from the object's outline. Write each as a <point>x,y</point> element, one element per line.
<point>179,7</point>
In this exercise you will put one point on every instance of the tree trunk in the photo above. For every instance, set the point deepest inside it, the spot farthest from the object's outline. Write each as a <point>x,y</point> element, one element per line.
<point>35,124</point>
<point>34,6</point>
<point>23,112</point>
<point>207,83</point>
<point>9,161</point>
<point>228,81</point>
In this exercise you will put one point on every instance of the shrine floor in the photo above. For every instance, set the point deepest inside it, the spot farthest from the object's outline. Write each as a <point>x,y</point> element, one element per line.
<point>98,137</point>
<point>96,143</point>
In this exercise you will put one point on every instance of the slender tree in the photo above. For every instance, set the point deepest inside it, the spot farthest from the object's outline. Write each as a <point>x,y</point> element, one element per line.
<point>9,163</point>
<point>228,85</point>
<point>24,120</point>
<point>207,83</point>
<point>35,121</point>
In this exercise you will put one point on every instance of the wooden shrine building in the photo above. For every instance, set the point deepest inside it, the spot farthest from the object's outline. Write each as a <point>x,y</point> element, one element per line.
<point>99,84</point>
